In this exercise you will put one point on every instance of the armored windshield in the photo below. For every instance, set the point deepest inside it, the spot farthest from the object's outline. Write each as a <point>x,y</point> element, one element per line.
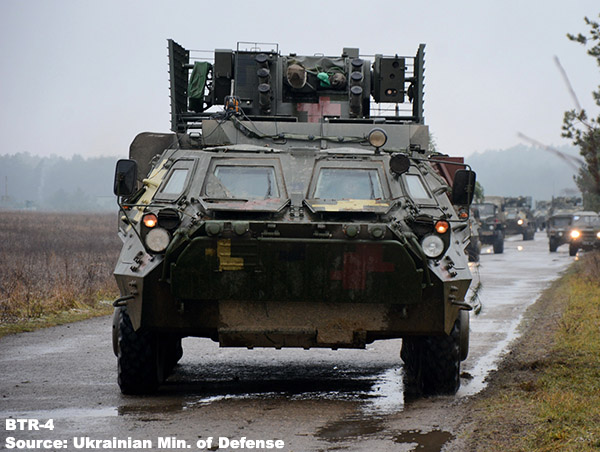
<point>586,220</point>
<point>561,222</point>
<point>243,182</point>
<point>485,210</point>
<point>348,183</point>
<point>512,213</point>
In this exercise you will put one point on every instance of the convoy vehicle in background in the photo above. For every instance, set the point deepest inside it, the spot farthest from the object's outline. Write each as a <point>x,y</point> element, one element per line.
<point>519,217</point>
<point>491,222</point>
<point>560,216</point>
<point>584,232</point>
<point>558,229</point>
<point>295,204</point>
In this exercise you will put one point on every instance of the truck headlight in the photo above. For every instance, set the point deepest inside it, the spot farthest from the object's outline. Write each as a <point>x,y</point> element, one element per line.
<point>598,235</point>
<point>520,222</point>
<point>575,234</point>
<point>157,240</point>
<point>433,246</point>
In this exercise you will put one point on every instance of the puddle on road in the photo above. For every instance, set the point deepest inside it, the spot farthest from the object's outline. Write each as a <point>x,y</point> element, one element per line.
<point>377,394</point>
<point>432,441</point>
<point>375,390</point>
<point>350,429</point>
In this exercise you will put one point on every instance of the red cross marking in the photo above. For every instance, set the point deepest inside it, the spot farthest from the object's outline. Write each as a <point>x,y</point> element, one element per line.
<point>323,108</point>
<point>356,265</point>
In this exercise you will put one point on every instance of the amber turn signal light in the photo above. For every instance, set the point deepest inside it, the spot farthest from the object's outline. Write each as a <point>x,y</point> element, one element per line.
<point>150,220</point>
<point>441,227</point>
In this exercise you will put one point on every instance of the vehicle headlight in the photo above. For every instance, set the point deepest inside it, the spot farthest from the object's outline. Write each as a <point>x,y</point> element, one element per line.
<point>433,246</point>
<point>491,227</point>
<point>575,234</point>
<point>157,240</point>
<point>520,222</point>
<point>598,235</point>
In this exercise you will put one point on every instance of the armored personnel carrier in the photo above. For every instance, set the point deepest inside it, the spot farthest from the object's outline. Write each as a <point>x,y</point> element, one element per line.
<point>295,204</point>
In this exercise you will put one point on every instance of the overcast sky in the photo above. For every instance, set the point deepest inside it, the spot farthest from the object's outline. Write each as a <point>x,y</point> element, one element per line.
<point>84,77</point>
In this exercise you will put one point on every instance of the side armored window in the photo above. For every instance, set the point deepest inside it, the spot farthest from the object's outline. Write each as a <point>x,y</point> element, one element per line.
<point>415,187</point>
<point>176,182</point>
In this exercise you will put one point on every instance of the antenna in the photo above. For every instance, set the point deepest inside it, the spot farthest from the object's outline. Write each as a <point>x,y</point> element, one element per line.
<point>565,77</point>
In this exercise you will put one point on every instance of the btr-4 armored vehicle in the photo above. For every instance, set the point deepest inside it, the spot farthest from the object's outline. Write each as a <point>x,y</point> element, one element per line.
<point>295,204</point>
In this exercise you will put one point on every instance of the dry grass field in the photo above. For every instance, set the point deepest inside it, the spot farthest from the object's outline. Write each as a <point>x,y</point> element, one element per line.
<point>55,262</point>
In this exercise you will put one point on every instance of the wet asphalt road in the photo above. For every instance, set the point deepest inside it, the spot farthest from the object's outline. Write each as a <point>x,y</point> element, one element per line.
<point>314,400</point>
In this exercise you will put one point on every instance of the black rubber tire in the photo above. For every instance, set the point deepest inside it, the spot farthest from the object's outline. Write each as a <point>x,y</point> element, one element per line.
<point>115,331</point>
<point>173,353</point>
<point>573,250</point>
<point>140,363</point>
<point>552,245</point>
<point>432,363</point>
<point>499,245</point>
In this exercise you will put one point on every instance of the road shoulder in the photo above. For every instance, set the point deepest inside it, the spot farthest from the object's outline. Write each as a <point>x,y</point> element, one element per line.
<point>520,406</point>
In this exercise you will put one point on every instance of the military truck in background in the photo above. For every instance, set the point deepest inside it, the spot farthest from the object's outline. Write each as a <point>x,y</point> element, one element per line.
<point>558,228</point>
<point>560,217</point>
<point>519,216</point>
<point>295,204</point>
<point>491,222</point>
<point>584,232</point>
